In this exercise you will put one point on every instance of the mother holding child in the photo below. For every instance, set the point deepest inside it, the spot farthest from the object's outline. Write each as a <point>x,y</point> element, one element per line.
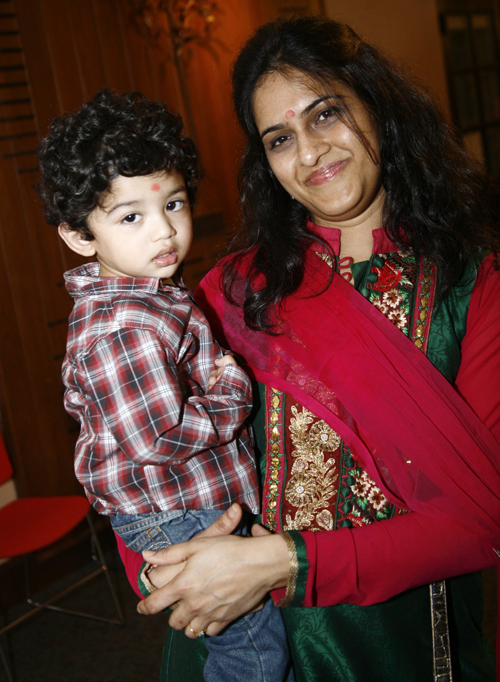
<point>363,298</point>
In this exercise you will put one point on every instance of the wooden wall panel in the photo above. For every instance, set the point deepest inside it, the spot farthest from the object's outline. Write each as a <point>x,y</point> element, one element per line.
<point>32,386</point>
<point>64,73</point>
<point>114,50</point>
<point>85,36</point>
<point>36,430</point>
<point>41,96</point>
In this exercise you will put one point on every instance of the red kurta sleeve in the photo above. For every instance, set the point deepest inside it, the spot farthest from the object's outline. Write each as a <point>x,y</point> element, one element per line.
<point>132,562</point>
<point>353,565</point>
<point>478,379</point>
<point>370,564</point>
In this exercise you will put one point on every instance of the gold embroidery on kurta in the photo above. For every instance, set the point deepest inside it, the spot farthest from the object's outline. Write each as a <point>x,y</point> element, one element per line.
<point>424,305</point>
<point>312,479</point>
<point>275,457</point>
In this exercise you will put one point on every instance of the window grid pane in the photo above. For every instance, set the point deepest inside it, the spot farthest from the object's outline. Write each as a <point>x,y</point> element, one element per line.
<point>484,39</point>
<point>474,77</point>
<point>459,43</point>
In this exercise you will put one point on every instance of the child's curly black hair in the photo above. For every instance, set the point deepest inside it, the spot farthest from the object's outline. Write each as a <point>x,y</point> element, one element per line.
<point>114,134</point>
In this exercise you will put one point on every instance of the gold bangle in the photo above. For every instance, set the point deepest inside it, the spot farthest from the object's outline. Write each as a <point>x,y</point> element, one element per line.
<point>145,577</point>
<point>293,570</point>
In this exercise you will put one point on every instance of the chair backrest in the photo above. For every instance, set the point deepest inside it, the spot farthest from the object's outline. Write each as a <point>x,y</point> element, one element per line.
<point>5,465</point>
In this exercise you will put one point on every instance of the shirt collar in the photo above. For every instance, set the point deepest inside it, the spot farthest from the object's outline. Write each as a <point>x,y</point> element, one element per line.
<point>85,280</point>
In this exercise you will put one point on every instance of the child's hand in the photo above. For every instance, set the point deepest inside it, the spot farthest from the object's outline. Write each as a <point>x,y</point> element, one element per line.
<point>221,363</point>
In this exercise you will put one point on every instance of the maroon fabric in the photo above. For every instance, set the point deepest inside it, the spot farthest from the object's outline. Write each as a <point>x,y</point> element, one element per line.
<point>132,562</point>
<point>370,564</point>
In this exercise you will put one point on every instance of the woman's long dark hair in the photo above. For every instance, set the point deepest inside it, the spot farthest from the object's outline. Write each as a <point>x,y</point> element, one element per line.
<point>439,201</point>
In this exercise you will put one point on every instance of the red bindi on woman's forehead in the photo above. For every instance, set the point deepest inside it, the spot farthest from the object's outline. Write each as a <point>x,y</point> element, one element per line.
<point>290,114</point>
<point>155,187</point>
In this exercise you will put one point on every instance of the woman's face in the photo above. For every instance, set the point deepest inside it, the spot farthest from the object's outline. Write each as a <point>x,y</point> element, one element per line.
<point>317,158</point>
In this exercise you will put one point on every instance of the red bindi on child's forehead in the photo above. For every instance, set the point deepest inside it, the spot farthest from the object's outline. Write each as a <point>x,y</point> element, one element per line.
<point>155,187</point>
<point>290,114</point>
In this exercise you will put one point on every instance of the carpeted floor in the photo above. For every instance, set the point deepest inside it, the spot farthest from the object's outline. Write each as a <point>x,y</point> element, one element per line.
<point>490,606</point>
<point>55,647</point>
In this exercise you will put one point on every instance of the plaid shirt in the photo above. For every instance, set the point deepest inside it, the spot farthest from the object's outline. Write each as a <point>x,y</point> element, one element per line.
<point>138,358</point>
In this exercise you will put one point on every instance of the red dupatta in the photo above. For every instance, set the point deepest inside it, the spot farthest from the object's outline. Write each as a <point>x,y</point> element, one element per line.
<point>346,363</point>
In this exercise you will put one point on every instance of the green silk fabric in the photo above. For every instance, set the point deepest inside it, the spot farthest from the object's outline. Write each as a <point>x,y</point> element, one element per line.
<point>389,642</point>
<point>183,658</point>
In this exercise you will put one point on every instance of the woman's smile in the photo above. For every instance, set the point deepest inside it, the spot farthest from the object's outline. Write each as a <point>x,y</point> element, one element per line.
<point>326,173</point>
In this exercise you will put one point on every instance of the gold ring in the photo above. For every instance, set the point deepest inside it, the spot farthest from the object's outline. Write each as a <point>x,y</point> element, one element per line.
<point>197,634</point>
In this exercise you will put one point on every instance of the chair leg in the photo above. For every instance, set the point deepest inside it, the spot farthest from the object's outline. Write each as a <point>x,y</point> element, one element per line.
<point>111,586</point>
<point>27,581</point>
<point>37,606</point>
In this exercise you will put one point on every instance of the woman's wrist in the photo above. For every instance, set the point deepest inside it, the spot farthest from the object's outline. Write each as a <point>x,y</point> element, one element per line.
<point>293,590</point>
<point>280,569</point>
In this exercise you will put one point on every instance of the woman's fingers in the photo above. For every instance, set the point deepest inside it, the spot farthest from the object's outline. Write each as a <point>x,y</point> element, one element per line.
<point>197,628</point>
<point>259,531</point>
<point>159,600</point>
<point>225,524</point>
<point>175,554</point>
<point>194,630</point>
<point>227,577</point>
<point>224,577</point>
<point>215,629</point>
<point>167,593</point>
<point>161,575</point>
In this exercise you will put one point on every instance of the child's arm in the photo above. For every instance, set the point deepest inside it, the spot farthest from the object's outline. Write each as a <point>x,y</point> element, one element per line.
<point>132,383</point>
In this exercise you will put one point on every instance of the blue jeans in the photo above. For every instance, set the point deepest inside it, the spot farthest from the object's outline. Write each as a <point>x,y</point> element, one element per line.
<point>253,648</point>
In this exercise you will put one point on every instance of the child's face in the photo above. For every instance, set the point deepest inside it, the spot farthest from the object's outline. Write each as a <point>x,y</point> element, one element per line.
<point>143,227</point>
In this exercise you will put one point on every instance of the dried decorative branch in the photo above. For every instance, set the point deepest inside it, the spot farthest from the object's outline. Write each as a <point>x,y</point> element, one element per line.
<point>184,21</point>
<point>174,25</point>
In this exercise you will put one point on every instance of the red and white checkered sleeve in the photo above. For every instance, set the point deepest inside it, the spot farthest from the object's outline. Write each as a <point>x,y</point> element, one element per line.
<point>132,380</point>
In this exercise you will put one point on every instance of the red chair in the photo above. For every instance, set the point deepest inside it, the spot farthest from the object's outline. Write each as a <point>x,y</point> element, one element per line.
<point>32,523</point>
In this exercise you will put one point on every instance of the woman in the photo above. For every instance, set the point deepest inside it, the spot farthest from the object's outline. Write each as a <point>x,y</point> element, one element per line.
<point>364,300</point>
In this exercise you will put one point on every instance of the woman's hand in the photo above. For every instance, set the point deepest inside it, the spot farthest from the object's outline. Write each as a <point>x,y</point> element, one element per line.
<point>223,577</point>
<point>163,574</point>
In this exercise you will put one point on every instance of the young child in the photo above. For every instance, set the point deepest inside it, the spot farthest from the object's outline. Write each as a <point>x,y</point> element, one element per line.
<point>163,449</point>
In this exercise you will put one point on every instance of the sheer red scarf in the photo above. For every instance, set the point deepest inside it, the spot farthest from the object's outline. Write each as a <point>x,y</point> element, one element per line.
<point>345,362</point>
